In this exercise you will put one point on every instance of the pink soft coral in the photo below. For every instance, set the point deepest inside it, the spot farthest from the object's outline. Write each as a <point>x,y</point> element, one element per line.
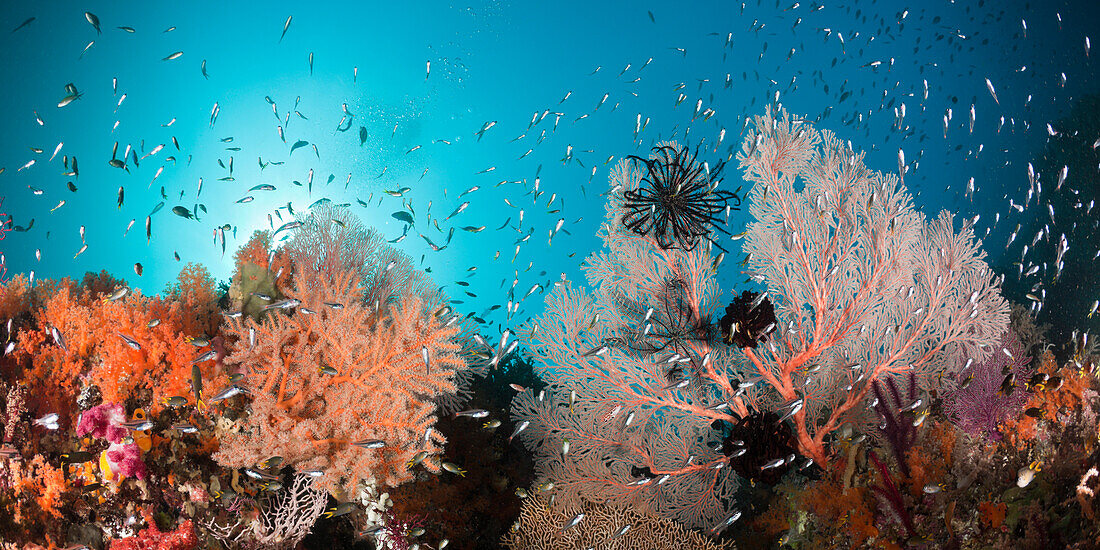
<point>126,460</point>
<point>103,422</point>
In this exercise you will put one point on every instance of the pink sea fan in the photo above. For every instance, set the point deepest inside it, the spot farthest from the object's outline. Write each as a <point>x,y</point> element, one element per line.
<point>103,422</point>
<point>980,406</point>
<point>126,460</point>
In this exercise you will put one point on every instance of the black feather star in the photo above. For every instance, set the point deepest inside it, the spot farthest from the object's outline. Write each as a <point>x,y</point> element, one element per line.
<point>755,443</point>
<point>677,201</point>
<point>749,318</point>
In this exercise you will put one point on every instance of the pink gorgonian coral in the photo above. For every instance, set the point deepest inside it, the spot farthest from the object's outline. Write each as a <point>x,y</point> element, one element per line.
<point>989,397</point>
<point>103,422</point>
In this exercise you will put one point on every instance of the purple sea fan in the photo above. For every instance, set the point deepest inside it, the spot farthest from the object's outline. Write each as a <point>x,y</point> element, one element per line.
<point>979,406</point>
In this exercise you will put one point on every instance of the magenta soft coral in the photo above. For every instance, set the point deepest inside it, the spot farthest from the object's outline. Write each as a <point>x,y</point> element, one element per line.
<point>103,422</point>
<point>126,460</point>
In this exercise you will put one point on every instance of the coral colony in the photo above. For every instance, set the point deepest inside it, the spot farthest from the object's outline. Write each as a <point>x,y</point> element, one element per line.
<point>864,385</point>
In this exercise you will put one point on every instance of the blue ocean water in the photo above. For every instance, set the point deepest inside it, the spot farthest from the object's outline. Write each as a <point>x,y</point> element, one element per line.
<point>848,66</point>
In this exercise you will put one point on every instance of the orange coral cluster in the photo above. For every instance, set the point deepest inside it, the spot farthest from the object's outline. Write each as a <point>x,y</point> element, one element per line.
<point>930,461</point>
<point>15,297</point>
<point>849,509</point>
<point>993,514</point>
<point>195,291</point>
<point>95,332</point>
<point>1019,432</point>
<point>379,387</point>
<point>38,481</point>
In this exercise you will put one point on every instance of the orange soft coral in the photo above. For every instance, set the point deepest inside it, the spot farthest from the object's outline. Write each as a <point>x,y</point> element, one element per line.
<point>992,514</point>
<point>95,333</point>
<point>846,509</point>
<point>15,297</point>
<point>258,251</point>
<point>1052,403</point>
<point>38,481</point>
<point>195,290</point>
<point>931,459</point>
<point>375,384</point>
<point>51,370</point>
<point>161,366</point>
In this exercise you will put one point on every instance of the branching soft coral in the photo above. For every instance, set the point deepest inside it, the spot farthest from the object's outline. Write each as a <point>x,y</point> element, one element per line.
<point>51,369</point>
<point>95,342</point>
<point>15,297</point>
<point>195,290</point>
<point>844,509</point>
<point>40,482</point>
<point>928,462</point>
<point>162,365</point>
<point>125,460</point>
<point>381,388</point>
<point>103,422</point>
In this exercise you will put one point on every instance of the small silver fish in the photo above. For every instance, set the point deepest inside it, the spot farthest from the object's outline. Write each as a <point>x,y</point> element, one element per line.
<point>48,421</point>
<point>210,354</point>
<point>775,463</point>
<point>519,428</point>
<point>130,341</point>
<point>118,294</point>
<point>572,523</point>
<point>370,444</point>
<point>226,393</point>
<point>289,303</point>
<point>138,425</point>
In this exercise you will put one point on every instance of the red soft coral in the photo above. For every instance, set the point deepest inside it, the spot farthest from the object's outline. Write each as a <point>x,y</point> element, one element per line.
<point>152,538</point>
<point>51,370</point>
<point>162,365</point>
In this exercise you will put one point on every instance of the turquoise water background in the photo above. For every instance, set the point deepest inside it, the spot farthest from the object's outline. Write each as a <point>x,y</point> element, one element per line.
<point>492,61</point>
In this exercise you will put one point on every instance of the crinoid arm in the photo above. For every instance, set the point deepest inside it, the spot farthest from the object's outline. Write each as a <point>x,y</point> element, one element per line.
<point>677,202</point>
